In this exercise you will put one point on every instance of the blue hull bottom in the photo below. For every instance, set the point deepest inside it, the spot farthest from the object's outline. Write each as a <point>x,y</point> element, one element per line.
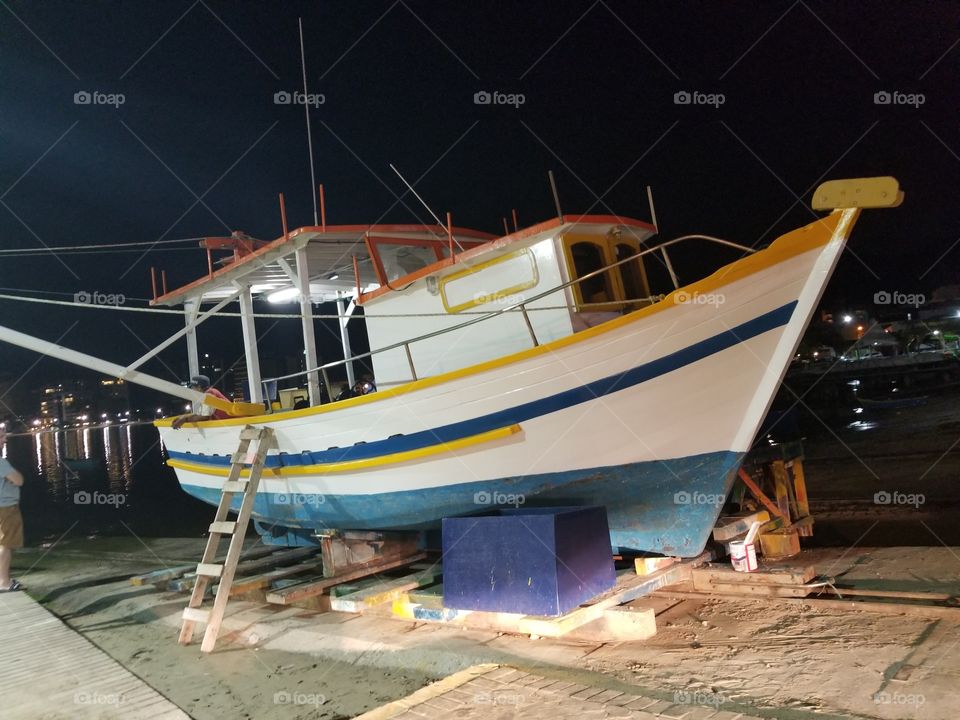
<point>667,507</point>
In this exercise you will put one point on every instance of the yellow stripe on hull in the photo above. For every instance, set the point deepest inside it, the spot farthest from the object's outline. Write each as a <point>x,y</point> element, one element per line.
<point>352,465</point>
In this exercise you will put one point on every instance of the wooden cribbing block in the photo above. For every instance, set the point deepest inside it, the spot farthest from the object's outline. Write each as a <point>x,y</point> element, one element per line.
<point>256,582</point>
<point>649,565</point>
<point>158,577</point>
<point>706,577</point>
<point>383,592</point>
<point>728,528</point>
<point>619,624</point>
<point>302,591</point>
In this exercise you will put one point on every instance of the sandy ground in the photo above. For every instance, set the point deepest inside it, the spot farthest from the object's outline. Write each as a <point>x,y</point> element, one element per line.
<point>790,660</point>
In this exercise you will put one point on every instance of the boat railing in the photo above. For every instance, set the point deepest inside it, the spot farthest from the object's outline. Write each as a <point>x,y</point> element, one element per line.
<point>520,307</point>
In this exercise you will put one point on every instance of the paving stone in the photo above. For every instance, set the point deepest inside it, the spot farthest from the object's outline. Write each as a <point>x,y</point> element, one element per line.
<point>526,680</point>
<point>573,689</point>
<point>657,707</point>
<point>542,682</point>
<point>558,687</point>
<point>676,712</point>
<point>481,683</point>
<point>606,696</point>
<point>443,702</point>
<point>588,693</point>
<point>701,713</point>
<point>727,715</point>
<point>623,699</point>
<point>643,703</point>
<point>500,673</point>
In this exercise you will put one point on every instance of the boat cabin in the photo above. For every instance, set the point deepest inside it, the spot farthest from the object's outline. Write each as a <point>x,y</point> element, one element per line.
<point>416,284</point>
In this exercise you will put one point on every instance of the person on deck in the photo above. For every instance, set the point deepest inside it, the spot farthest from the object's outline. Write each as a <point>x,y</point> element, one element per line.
<point>202,383</point>
<point>11,522</point>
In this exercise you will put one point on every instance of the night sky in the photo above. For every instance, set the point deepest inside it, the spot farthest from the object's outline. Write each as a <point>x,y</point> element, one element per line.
<point>798,82</point>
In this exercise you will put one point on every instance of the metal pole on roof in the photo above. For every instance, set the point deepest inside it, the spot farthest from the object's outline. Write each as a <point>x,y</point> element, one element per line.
<point>556,195</point>
<point>306,320</point>
<point>306,112</point>
<point>345,341</point>
<point>251,353</point>
<point>190,310</point>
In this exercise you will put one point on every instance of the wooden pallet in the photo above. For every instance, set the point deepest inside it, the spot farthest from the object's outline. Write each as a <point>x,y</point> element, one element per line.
<point>312,588</point>
<point>606,618</point>
<point>163,578</point>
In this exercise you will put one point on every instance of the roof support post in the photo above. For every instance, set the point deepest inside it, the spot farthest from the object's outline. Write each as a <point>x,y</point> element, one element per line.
<point>251,353</point>
<point>306,318</point>
<point>190,310</point>
<point>345,338</point>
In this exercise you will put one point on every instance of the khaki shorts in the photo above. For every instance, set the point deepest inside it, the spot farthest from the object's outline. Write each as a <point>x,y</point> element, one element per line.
<point>11,527</point>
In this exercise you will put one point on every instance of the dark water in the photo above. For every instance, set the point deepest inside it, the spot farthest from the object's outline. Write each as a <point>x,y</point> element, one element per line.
<point>117,483</point>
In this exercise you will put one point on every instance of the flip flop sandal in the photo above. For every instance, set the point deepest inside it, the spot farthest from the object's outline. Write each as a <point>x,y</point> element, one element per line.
<point>14,587</point>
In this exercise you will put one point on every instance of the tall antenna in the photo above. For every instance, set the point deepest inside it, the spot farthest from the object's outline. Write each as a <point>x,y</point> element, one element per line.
<point>306,112</point>
<point>422,202</point>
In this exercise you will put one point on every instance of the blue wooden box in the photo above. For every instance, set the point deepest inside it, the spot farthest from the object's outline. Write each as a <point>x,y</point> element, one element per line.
<point>535,561</point>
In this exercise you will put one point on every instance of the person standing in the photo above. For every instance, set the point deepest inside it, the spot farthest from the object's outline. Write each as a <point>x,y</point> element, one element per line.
<point>11,522</point>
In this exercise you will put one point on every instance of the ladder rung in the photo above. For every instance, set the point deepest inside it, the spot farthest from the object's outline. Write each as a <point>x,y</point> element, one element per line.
<point>225,527</point>
<point>234,486</point>
<point>196,614</point>
<point>209,569</point>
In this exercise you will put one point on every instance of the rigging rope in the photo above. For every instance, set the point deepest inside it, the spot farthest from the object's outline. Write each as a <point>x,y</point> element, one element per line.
<point>278,316</point>
<point>107,246</point>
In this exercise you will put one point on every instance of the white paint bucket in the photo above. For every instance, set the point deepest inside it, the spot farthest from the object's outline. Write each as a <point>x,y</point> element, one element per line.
<point>743,556</point>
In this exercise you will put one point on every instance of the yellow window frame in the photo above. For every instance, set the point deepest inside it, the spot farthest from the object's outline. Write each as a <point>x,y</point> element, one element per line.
<point>496,295</point>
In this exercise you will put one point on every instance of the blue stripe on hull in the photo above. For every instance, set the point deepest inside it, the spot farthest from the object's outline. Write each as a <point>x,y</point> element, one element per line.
<point>667,506</point>
<point>521,413</point>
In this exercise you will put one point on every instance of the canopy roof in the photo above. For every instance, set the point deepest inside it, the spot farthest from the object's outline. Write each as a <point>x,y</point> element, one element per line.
<point>329,253</point>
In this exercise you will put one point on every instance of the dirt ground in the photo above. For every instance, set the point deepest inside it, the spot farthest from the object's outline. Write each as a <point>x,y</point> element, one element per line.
<point>766,658</point>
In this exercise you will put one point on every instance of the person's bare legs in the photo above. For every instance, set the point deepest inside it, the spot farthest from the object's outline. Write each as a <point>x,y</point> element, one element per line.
<point>6,555</point>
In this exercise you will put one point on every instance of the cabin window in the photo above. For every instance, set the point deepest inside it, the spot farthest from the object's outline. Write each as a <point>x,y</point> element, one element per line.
<point>620,289</point>
<point>587,258</point>
<point>631,274</point>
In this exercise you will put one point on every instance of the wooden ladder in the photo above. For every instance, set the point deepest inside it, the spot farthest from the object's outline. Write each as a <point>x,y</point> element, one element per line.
<point>207,569</point>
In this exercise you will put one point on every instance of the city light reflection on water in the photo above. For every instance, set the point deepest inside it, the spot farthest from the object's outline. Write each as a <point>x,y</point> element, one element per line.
<point>97,480</point>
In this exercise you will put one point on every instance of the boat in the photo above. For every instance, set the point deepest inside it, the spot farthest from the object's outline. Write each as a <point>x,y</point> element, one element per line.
<point>533,368</point>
